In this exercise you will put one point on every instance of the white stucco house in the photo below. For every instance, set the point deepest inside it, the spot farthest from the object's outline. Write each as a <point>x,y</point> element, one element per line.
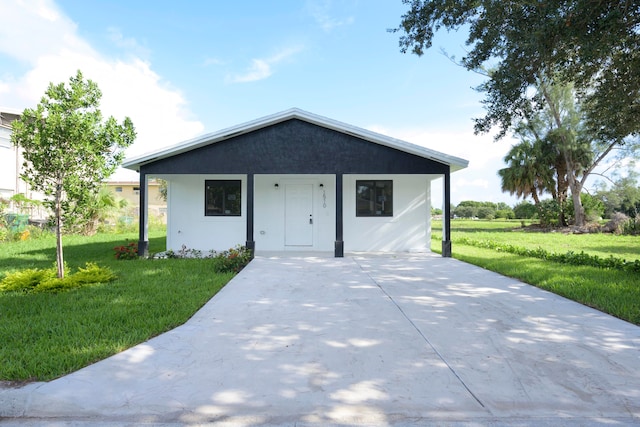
<point>296,181</point>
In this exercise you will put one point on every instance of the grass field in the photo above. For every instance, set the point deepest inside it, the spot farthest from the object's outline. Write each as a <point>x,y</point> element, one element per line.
<point>609,290</point>
<point>512,232</point>
<point>45,335</point>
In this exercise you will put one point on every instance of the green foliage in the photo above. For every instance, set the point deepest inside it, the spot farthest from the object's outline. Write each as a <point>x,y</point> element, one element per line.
<point>520,42</point>
<point>593,207</point>
<point>525,210</point>
<point>569,257</point>
<point>69,150</point>
<point>99,208</point>
<point>631,227</point>
<point>465,212</point>
<point>513,232</point>
<point>232,260</point>
<point>30,232</point>
<point>26,280</point>
<point>623,196</point>
<point>529,170</point>
<point>486,212</point>
<point>46,280</point>
<point>482,210</point>
<point>92,273</point>
<point>163,189</point>
<point>127,252</point>
<point>549,213</point>
<point>550,80</point>
<point>23,203</point>
<point>505,214</point>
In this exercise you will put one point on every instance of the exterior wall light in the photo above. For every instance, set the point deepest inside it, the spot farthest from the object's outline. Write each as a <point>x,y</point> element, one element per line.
<point>276,185</point>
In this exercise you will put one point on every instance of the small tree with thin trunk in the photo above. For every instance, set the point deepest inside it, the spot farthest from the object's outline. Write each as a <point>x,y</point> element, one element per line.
<point>68,149</point>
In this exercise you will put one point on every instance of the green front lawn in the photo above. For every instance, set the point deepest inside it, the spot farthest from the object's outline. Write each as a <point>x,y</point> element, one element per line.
<point>48,335</point>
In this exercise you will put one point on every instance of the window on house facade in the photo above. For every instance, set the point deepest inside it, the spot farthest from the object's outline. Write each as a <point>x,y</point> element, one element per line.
<point>222,197</point>
<point>374,198</point>
<point>118,189</point>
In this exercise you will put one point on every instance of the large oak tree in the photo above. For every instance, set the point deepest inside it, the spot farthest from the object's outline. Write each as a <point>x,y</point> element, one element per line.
<point>594,44</point>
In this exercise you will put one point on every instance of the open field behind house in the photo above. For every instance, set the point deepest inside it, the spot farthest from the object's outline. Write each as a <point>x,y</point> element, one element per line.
<point>511,232</point>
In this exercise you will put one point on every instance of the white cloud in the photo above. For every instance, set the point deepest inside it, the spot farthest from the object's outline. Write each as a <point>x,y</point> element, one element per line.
<point>261,69</point>
<point>41,36</point>
<point>319,10</point>
<point>36,28</point>
<point>213,61</point>
<point>128,43</point>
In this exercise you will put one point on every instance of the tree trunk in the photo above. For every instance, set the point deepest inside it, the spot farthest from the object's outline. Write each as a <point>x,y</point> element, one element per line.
<point>58,213</point>
<point>561,191</point>
<point>578,210</point>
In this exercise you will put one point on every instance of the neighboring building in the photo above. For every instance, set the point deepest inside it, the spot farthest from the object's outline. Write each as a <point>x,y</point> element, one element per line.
<point>295,181</point>
<point>130,191</point>
<point>10,159</point>
<point>10,166</point>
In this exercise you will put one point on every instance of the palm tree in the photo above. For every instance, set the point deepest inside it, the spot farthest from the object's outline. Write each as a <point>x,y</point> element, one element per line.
<point>522,175</point>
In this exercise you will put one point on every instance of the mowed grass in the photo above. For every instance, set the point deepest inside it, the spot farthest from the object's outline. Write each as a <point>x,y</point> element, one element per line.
<point>512,232</point>
<point>44,336</point>
<point>612,291</point>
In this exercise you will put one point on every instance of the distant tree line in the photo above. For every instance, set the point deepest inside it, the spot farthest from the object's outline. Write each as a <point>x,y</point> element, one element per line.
<point>621,197</point>
<point>483,210</point>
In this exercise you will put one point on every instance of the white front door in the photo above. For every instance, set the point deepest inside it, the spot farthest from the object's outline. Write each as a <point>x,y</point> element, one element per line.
<point>298,215</point>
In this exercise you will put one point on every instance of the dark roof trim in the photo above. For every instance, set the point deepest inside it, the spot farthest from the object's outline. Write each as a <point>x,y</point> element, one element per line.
<point>455,163</point>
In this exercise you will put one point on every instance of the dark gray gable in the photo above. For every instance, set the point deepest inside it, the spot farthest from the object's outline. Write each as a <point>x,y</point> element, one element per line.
<point>294,147</point>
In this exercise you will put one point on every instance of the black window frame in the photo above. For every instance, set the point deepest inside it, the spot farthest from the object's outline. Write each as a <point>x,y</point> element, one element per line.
<point>228,186</point>
<point>374,185</point>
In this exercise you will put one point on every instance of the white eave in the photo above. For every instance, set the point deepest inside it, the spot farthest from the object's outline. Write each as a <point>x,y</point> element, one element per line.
<point>455,163</point>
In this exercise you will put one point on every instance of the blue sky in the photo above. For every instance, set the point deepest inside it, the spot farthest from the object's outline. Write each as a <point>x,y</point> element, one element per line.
<point>180,69</point>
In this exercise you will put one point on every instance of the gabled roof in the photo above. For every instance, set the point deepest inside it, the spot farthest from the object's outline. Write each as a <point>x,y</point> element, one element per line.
<point>455,163</point>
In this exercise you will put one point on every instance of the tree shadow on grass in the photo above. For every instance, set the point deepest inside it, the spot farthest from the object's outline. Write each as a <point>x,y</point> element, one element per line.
<point>77,252</point>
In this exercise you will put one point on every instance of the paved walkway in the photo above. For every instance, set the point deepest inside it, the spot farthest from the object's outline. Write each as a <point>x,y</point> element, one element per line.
<point>362,340</point>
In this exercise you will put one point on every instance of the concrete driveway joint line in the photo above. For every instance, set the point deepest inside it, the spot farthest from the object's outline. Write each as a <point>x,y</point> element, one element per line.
<point>310,340</point>
<point>424,337</point>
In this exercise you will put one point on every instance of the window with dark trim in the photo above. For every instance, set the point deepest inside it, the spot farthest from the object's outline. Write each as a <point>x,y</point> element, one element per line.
<point>222,197</point>
<point>374,198</point>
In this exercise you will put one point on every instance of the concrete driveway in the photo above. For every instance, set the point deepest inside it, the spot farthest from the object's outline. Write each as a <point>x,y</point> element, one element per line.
<point>362,340</point>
